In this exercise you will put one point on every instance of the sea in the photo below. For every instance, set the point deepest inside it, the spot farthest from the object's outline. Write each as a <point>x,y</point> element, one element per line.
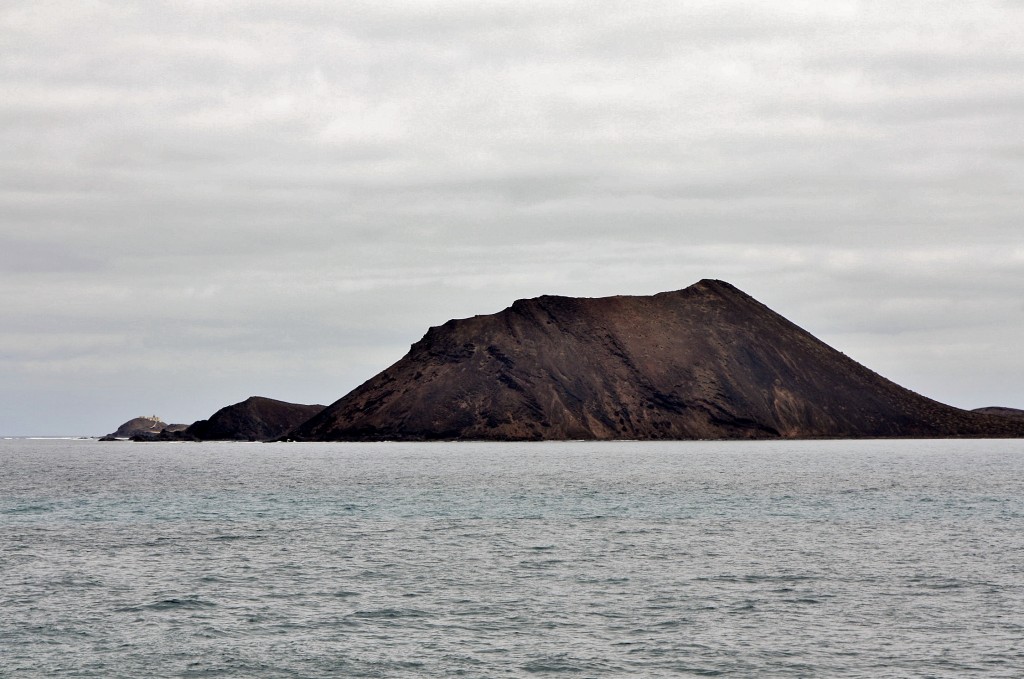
<point>875,559</point>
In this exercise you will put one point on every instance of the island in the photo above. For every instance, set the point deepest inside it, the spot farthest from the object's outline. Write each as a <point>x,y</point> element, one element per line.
<point>705,362</point>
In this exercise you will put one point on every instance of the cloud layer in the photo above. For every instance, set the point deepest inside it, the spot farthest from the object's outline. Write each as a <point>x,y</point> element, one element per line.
<point>199,203</point>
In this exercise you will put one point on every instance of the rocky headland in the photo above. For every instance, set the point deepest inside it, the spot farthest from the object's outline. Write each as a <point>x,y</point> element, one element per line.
<point>145,425</point>
<point>255,419</point>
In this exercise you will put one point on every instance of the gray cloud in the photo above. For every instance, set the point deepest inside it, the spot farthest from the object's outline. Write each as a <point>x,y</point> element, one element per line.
<point>199,203</point>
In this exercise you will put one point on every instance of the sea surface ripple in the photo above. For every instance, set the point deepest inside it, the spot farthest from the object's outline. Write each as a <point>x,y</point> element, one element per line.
<point>761,559</point>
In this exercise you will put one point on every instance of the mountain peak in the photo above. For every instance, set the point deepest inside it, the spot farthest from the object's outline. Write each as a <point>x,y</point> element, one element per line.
<point>713,284</point>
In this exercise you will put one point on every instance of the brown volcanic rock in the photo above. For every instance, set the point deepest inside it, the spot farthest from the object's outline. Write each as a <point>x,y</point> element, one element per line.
<point>1000,411</point>
<point>254,419</point>
<point>705,362</point>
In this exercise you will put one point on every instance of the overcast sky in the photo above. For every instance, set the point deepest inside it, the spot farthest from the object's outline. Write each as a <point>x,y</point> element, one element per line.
<point>203,201</point>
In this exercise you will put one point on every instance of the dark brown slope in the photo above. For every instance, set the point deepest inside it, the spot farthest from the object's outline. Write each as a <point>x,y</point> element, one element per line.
<point>1000,411</point>
<point>705,362</point>
<point>254,419</point>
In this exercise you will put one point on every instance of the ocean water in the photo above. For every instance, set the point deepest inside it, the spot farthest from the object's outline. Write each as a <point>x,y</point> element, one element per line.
<point>762,559</point>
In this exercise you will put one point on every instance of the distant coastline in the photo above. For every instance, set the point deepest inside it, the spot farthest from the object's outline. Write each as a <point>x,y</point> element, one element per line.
<point>708,362</point>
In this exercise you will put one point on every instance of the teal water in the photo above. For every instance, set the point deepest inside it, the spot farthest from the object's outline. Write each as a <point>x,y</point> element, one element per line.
<point>796,559</point>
